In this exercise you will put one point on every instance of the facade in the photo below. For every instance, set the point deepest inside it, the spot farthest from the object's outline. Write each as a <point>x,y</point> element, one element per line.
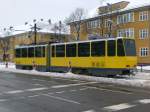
<point>7,44</point>
<point>117,20</point>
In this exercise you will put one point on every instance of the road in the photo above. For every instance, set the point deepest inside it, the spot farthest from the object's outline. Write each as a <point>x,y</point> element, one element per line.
<point>26,93</point>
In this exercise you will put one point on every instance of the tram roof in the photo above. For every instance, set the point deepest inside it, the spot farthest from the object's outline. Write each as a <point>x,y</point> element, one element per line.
<point>26,46</point>
<point>40,45</point>
<point>89,41</point>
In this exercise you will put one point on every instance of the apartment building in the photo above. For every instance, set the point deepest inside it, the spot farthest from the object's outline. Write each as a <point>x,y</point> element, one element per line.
<point>8,43</point>
<point>120,19</point>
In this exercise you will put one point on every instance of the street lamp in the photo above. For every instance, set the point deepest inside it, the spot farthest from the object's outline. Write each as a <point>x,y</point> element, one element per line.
<point>110,21</point>
<point>36,26</point>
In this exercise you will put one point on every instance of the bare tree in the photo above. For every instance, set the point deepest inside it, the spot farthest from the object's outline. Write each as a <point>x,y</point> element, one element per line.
<point>59,29</point>
<point>75,19</point>
<point>4,44</point>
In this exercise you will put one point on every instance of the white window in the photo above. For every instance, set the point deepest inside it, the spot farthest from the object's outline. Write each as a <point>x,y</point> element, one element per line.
<point>93,24</point>
<point>129,32</point>
<point>144,52</point>
<point>106,35</point>
<point>126,33</point>
<point>89,25</point>
<point>120,33</point>
<point>99,23</point>
<point>125,18</point>
<point>143,33</point>
<point>106,23</point>
<point>119,19</point>
<point>143,16</point>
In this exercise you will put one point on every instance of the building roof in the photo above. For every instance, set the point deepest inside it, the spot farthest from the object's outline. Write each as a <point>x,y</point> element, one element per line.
<point>133,6</point>
<point>45,28</point>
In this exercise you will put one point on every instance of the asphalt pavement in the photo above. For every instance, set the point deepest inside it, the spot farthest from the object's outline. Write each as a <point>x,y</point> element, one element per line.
<point>27,93</point>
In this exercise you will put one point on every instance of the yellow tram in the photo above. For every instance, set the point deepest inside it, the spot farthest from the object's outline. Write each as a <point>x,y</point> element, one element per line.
<point>110,56</point>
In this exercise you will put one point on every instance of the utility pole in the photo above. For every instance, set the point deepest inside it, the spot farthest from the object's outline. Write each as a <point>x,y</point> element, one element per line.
<point>35,33</point>
<point>60,28</point>
<point>110,19</point>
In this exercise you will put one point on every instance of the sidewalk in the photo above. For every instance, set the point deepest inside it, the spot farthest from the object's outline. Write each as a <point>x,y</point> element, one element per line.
<point>141,80</point>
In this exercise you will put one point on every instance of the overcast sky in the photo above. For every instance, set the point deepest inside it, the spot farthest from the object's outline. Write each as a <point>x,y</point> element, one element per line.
<point>17,12</point>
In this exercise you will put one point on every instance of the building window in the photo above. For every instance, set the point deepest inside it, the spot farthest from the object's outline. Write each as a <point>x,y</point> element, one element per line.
<point>126,33</point>
<point>120,33</point>
<point>144,52</point>
<point>93,24</point>
<point>143,16</point>
<point>89,25</point>
<point>143,33</point>
<point>125,18</point>
<point>107,23</point>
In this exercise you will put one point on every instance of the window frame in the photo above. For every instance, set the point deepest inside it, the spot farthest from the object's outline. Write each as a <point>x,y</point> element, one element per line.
<point>125,18</point>
<point>31,55</point>
<point>80,52</point>
<point>73,49</point>
<point>53,53</point>
<point>143,33</point>
<point>144,52</point>
<point>110,47</point>
<point>63,53</point>
<point>123,48</point>
<point>39,53</point>
<point>143,15</point>
<point>22,53</point>
<point>103,50</point>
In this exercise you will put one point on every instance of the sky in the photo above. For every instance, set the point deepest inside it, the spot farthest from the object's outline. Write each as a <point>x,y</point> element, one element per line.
<point>17,12</point>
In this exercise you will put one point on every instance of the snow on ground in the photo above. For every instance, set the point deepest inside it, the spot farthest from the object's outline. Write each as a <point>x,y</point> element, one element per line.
<point>141,80</point>
<point>10,65</point>
<point>143,67</point>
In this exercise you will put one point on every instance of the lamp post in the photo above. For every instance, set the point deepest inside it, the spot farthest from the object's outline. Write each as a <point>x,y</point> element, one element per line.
<point>35,33</point>
<point>35,29</point>
<point>110,22</point>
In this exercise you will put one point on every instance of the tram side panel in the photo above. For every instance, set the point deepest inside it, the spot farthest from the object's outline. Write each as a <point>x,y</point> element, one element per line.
<point>31,57</point>
<point>106,61</point>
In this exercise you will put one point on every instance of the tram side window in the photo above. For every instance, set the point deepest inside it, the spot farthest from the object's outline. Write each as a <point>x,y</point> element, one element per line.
<point>120,48</point>
<point>53,51</point>
<point>84,49</point>
<point>98,48</point>
<point>43,51</point>
<point>31,52</point>
<point>60,51</point>
<point>111,47</point>
<point>130,47</point>
<point>38,52</point>
<point>24,52</point>
<point>71,50</point>
<point>18,53</point>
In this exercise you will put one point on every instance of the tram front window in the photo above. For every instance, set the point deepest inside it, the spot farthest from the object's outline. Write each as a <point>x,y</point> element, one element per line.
<point>130,48</point>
